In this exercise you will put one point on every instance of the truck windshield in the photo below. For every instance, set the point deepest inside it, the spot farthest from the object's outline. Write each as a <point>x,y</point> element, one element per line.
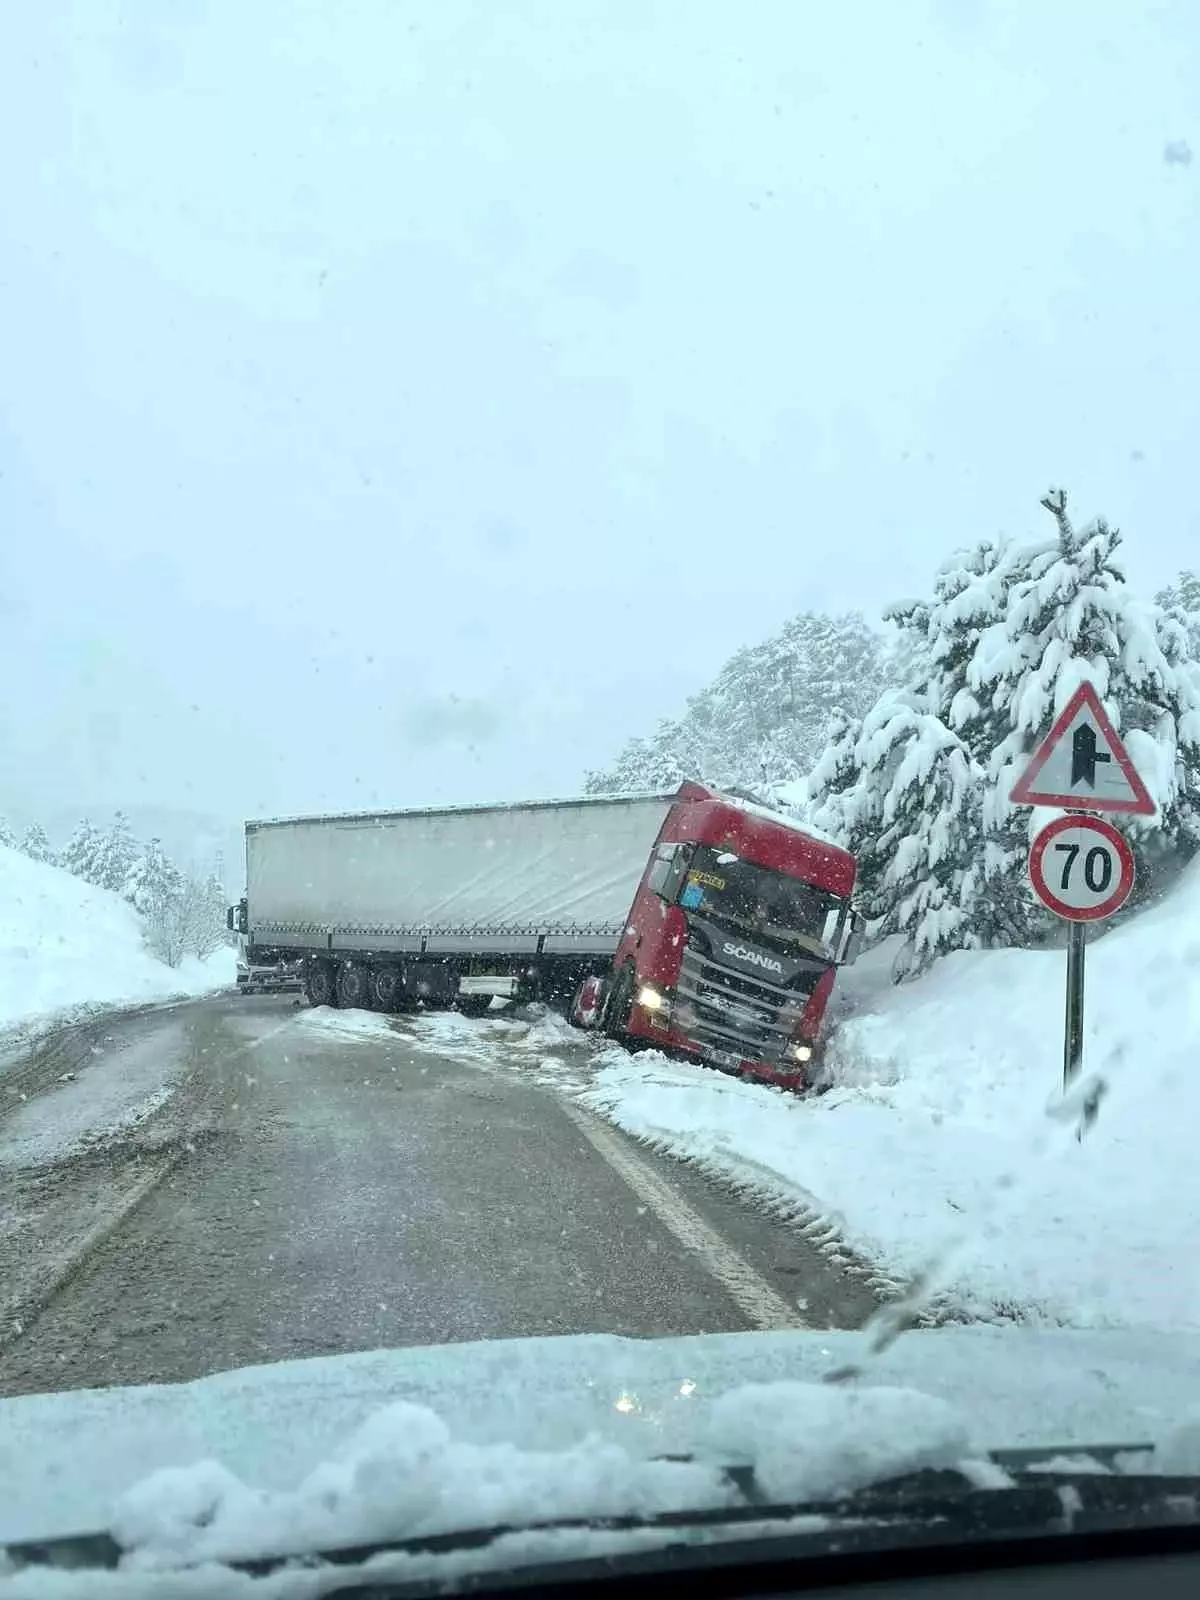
<point>761,901</point>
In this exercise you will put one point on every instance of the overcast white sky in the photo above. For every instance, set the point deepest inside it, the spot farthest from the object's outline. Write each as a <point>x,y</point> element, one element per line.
<point>405,402</point>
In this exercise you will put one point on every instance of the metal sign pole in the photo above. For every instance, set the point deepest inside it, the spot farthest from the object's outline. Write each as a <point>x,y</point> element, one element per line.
<point>1080,866</point>
<point>1073,1040</point>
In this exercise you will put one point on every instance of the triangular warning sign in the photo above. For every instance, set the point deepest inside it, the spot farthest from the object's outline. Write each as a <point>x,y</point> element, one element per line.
<point>1081,764</point>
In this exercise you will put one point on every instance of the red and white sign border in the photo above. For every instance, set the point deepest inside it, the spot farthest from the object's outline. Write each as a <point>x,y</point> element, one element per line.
<point>1124,886</point>
<point>1026,793</point>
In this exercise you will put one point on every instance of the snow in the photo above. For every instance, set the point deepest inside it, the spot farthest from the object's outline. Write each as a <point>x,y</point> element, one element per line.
<point>71,1456</point>
<point>93,1108</point>
<point>385,1446</point>
<point>535,1043</point>
<point>797,824</point>
<point>360,1025</point>
<point>403,1475</point>
<point>66,947</point>
<point>400,1475</point>
<point>812,1441</point>
<point>944,1136</point>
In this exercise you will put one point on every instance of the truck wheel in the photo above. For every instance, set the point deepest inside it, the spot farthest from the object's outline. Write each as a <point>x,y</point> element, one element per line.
<point>620,1002</point>
<point>353,991</point>
<point>384,987</point>
<point>318,983</point>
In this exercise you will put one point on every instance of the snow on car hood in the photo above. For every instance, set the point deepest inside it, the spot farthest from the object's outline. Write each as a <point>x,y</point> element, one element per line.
<point>383,1444</point>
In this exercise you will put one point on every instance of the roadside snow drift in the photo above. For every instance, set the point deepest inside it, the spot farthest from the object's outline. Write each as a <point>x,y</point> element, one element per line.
<point>945,1133</point>
<point>66,946</point>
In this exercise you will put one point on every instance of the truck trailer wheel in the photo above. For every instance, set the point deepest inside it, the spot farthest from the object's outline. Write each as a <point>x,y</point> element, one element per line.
<point>384,988</point>
<point>353,990</point>
<point>318,983</point>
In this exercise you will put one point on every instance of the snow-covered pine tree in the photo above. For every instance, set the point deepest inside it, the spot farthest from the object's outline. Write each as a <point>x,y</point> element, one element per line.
<point>157,889</point>
<point>666,759</point>
<point>901,790</point>
<point>35,844</point>
<point>153,879</point>
<point>83,852</point>
<point>764,718</point>
<point>7,836</point>
<point>918,789</point>
<point>116,855</point>
<point>1070,617</point>
<point>1181,600</point>
<point>839,804</point>
<point>970,602</point>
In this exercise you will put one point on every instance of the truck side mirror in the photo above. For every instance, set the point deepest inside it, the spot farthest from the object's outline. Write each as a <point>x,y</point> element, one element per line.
<point>229,915</point>
<point>852,943</point>
<point>676,873</point>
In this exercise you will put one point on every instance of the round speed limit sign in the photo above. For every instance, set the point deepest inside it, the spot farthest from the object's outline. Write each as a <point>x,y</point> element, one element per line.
<point>1081,867</point>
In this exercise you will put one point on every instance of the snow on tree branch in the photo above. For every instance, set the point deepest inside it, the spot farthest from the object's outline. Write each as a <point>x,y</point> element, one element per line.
<point>918,788</point>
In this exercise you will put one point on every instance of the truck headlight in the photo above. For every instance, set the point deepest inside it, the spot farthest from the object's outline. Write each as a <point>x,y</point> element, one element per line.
<point>655,1004</point>
<point>799,1051</point>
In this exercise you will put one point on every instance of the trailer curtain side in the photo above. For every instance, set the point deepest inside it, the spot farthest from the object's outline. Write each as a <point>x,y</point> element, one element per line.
<point>566,870</point>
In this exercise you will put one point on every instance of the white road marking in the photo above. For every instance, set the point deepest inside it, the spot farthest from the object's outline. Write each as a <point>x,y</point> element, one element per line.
<point>750,1292</point>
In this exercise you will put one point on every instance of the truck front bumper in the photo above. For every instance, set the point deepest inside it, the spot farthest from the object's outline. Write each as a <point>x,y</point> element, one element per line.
<point>648,1026</point>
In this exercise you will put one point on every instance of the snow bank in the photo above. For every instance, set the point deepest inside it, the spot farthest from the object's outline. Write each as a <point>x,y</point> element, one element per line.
<point>403,1475</point>
<point>66,946</point>
<point>944,1137</point>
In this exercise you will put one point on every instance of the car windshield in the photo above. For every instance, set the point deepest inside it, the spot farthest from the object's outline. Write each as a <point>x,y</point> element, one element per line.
<point>600,802</point>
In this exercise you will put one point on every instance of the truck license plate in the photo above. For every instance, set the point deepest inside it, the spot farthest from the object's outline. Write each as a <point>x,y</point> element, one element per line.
<point>723,1058</point>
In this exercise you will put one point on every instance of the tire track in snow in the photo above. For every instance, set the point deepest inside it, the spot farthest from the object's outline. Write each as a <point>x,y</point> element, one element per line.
<point>62,1261</point>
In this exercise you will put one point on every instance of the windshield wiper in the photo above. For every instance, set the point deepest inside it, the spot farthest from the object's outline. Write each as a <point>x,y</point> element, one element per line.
<point>1049,1491</point>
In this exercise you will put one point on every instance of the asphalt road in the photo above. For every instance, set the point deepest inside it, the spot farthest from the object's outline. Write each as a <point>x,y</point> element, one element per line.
<point>327,1193</point>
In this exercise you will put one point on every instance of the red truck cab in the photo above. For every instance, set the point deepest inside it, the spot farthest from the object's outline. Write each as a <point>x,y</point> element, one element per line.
<point>733,940</point>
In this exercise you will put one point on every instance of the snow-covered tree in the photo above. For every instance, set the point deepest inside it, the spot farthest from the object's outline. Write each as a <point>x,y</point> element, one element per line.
<point>152,879</point>
<point>7,836</point>
<point>1070,617</point>
<point>203,915</point>
<point>919,787</point>
<point>664,761</point>
<point>156,888</point>
<point>763,720</point>
<point>1181,600</point>
<point>35,844</point>
<point>115,855</point>
<point>84,852</point>
<point>902,791</point>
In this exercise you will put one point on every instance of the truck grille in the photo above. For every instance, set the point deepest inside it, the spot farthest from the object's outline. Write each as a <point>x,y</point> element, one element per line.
<point>733,1012</point>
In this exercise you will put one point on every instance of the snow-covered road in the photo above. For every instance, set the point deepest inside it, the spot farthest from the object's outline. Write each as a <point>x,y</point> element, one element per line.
<point>323,1182</point>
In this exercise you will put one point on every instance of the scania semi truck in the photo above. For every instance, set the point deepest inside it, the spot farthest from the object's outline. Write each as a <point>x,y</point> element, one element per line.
<point>698,921</point>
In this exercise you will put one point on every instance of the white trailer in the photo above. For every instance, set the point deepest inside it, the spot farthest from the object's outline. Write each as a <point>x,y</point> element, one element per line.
<point>392,908</point>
